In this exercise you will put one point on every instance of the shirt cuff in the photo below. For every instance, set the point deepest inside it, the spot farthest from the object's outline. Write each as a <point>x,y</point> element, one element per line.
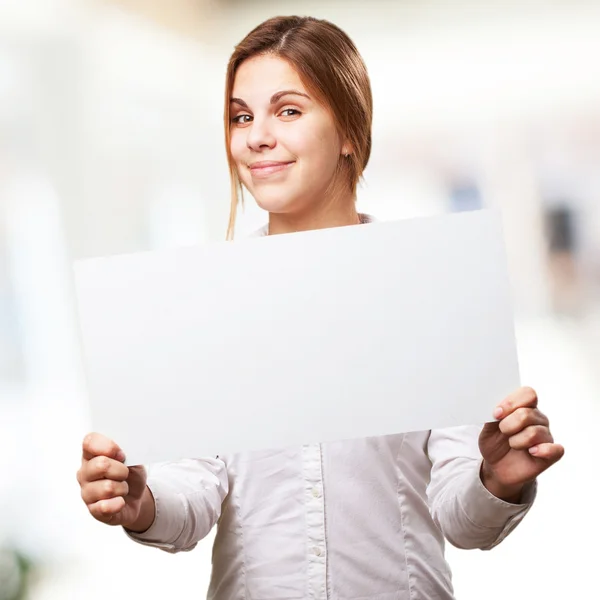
<point>487,511</point>
<point>169,518</point>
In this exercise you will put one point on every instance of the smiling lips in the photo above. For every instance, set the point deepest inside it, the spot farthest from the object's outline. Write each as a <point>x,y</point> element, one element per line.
<point>268,167</point>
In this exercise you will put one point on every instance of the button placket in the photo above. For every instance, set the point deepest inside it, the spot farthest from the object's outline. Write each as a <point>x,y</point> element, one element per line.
<point>315,523</point>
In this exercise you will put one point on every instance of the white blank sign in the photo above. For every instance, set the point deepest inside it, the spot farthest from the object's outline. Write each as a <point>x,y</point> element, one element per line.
<point>309,337</point>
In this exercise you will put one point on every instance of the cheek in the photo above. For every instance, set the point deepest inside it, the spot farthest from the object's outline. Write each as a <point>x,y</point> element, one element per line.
<point>323,153</point>
<point>237,144</point>
<point>238,151</point>
<point>318,147</point>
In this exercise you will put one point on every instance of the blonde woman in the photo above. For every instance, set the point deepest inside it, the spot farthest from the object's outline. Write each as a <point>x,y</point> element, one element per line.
<point>361,519</point>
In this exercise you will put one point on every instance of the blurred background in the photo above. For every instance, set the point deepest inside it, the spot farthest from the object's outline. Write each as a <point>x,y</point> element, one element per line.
<point>111,141</point>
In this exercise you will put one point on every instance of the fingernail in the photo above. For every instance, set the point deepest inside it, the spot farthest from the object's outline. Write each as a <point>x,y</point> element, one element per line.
<point>121,456</point>
<point>498,412</point>
<point>533,450</point>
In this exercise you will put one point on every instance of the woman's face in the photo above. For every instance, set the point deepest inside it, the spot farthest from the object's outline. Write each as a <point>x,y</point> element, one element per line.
<point>285,145</point>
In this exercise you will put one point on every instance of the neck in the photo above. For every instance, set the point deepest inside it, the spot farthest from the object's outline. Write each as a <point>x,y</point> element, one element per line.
<point>323,217</point>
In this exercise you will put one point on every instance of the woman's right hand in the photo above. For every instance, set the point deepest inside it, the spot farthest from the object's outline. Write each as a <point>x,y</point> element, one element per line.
<point>114,494</point>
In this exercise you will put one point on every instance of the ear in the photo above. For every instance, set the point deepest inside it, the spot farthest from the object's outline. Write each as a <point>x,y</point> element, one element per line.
<point>347,149</point>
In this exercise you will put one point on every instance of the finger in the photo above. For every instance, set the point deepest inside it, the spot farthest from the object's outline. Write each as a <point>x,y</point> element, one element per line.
<point>107,510</point>
<point>522,418</point>
<point>102,467</point>
<point>530,436</point>
<point>103,490</point>
<point>523,397</point>
<point>96,444</point>
<point>549,452</point>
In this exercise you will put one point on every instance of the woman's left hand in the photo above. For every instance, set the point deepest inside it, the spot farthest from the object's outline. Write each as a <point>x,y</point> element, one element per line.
<point>517,447</point>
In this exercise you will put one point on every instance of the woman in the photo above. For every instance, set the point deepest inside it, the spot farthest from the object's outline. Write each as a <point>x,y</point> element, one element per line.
<point>361,519</point>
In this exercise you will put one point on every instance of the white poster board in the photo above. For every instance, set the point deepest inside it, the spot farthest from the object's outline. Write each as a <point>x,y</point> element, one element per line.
<point>309,337</point>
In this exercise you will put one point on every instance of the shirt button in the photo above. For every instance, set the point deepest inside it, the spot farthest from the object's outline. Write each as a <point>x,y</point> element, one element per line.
<point>317,551</point>
<point>316,493</point>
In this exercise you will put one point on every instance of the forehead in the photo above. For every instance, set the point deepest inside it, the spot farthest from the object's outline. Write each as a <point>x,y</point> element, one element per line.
<point>262,76</point>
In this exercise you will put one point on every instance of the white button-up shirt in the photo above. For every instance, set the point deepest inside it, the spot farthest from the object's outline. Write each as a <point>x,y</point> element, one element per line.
<point>362,520</point>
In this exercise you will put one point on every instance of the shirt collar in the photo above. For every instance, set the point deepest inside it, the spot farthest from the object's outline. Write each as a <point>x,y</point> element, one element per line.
<point>264,230</point>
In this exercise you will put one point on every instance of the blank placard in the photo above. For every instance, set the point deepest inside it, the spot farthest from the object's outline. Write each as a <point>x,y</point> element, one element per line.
<point>285,340</point>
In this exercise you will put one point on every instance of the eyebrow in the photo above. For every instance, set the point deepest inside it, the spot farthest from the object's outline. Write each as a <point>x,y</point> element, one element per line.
<point>274,98</point>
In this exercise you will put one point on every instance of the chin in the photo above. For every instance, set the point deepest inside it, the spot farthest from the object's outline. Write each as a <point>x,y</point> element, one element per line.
<point>277,203</point>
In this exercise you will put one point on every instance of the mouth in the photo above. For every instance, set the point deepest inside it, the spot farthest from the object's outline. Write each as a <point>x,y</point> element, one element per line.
<point>266,168</point>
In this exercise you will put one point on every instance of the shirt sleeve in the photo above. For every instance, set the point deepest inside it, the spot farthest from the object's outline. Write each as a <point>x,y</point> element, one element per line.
<point>468,515</point>
<point>188,496</point>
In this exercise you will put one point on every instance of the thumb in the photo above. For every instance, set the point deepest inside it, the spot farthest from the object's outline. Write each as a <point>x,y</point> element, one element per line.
<point>137,471</point>
<point>137,478</point>
<point>493,444</point>
<point>490,429</point>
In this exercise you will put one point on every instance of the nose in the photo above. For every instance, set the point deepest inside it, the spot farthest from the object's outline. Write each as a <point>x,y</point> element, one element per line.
<point>260,137</point>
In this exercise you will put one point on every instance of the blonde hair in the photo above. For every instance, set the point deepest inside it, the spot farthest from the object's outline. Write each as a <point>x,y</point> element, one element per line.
<point>330,66</point>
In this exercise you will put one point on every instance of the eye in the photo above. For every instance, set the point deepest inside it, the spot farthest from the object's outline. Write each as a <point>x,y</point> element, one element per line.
<point>241,119</point>
<point>291,112</point>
